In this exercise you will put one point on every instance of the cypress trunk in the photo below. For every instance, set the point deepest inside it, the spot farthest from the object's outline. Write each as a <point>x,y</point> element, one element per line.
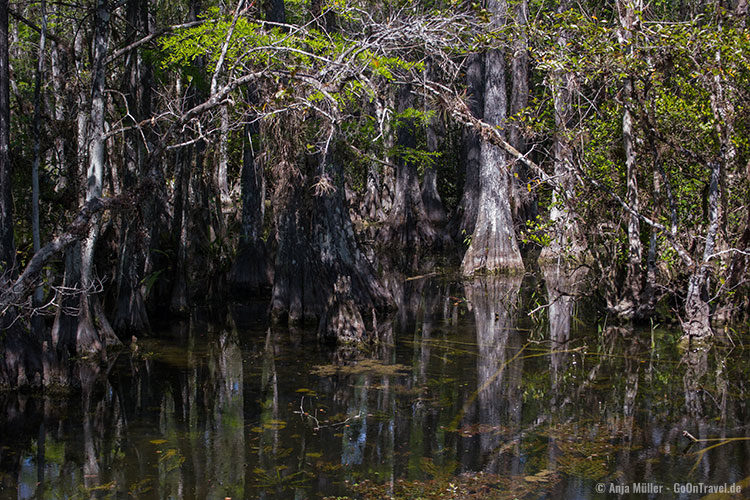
<point>7,242</point>
<point>524,204</point>
<point>20,363</point>
<point>566,239</point>
<point>94,332</point>
<point>631,288</point>
<point>408,226</point>
<point>466,214</point>
<point>320,273</point>
<point>130,311</point>
<point>493,243</point>
<point>433,205</point>
<point>251,273</point>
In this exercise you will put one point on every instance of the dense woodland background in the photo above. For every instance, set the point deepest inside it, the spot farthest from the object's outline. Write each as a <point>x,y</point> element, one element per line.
<point>155,156</point>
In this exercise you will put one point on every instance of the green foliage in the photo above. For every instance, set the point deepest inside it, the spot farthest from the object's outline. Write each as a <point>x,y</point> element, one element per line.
<point>537,231</point>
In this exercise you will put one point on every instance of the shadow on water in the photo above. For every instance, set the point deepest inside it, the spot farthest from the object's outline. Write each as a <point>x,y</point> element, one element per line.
<point>466,396</point>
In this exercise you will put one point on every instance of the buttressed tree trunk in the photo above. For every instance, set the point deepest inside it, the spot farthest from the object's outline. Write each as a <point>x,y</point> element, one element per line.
<point>250,273</point>
<point>94,333</point>
<point>320,273</point>
<point>354,294</point>
<point>130,314</point>
<point>493,243</point>
<point>408,226</point>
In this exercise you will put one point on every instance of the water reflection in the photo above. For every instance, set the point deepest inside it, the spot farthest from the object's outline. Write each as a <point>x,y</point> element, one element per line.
<point>562,286</point>
<point>456,387</point>
<point>495,302</point>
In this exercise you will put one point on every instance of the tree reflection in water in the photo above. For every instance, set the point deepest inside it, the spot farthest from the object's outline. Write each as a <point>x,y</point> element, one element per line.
<point>457,385</point>
<point>494,301</point>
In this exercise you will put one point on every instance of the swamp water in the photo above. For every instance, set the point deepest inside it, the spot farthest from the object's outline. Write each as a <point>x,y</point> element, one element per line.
<point>467,396</point>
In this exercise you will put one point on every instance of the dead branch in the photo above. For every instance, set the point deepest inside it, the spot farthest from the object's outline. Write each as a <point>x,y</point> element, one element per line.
<point>16,292</point>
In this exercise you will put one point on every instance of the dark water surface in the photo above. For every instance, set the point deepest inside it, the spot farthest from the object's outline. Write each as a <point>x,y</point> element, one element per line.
<point>467,396</point>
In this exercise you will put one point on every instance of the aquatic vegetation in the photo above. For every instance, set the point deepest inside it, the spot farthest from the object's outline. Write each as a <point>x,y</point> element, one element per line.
<point>470,486</point>
<point>365,366</point>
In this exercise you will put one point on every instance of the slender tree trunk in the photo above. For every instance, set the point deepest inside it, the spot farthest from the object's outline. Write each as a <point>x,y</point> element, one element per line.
<point>222,170</point>
<point>65,326</point>
<point>180,229</point>
<point>524,205</point>
<point>94,332</point>
<point>380,177</point>
<point>82,115</point>
<point>7,242</point>
<point>193,226</point>
<point>37,135</point>
<point>697,311</point>
<point>59,150</point>
<point>723,107</point>
<point>647,300</point>
<point>20,363</point>
<point>493,243</point>
<point>628,11</point>
<point>566,239</point>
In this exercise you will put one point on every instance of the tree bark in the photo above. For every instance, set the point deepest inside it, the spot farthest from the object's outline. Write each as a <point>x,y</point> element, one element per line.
<point>94,333</point>
<point>408,227</point>
<point>354,294</point>
<point>275,11</point>
<point>433,205</point>
<point>493,244</point>
<point>59,150</point>
<point>130,310</point>
<point>697,322</point>
<point>7,242</point>
<point>466,214</point>
<point>65,325</point>
<point>320,273</point>
<point>631,290</point>
<point>378,199</point>
<point>524,204</point>
<point>180,229</point>
<point>37,136</point>
<point>222,170</point>
<point>251,272</point>
<point>20,364</point>
<point>566,239</point>
<point>193,225</point>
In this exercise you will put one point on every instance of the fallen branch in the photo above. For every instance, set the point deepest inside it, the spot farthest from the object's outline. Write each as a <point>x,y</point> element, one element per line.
<point>78,229</point>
